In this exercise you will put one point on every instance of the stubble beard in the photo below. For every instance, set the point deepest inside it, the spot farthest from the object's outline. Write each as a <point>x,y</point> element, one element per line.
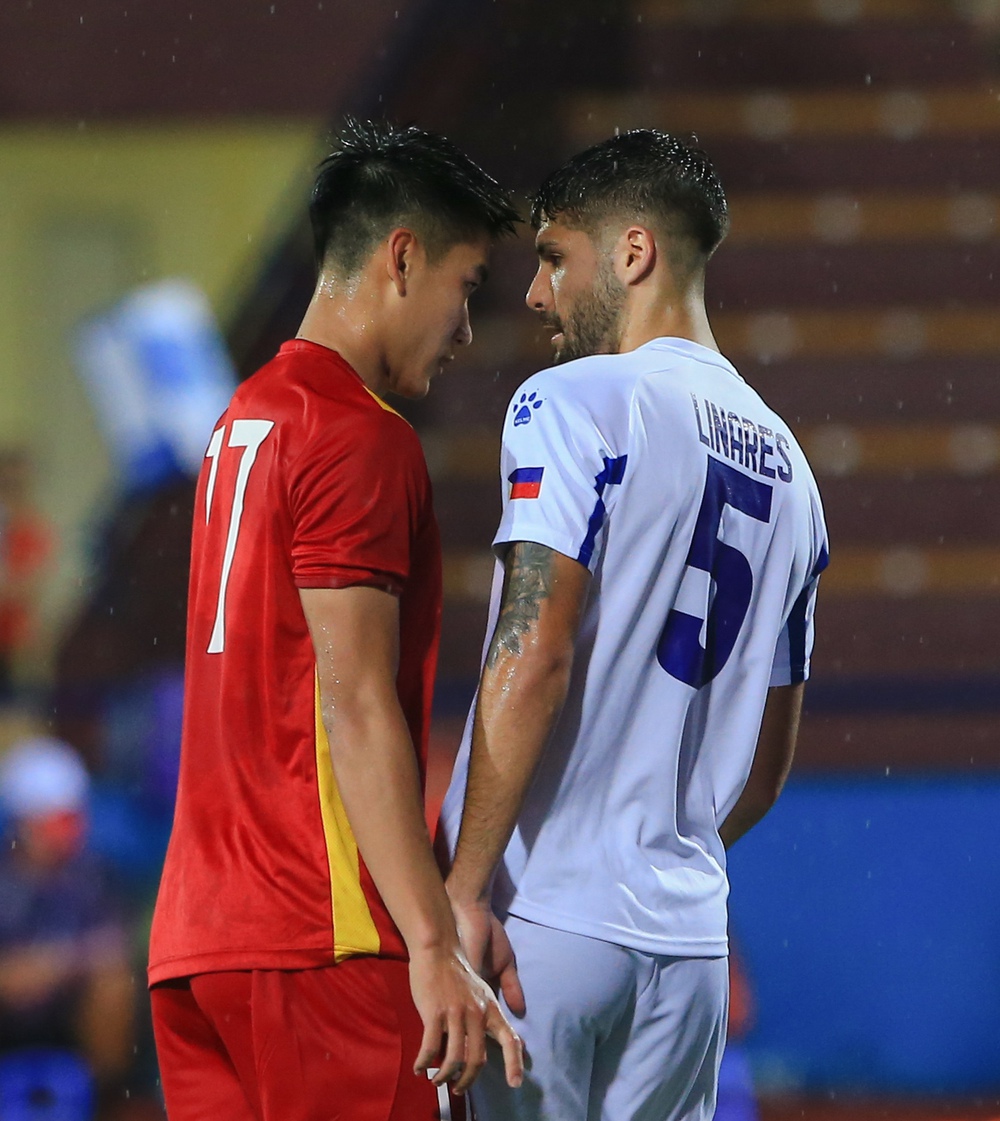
<point>594,326</point>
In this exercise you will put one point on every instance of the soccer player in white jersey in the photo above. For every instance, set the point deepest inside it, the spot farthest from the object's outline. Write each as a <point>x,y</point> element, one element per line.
<point>651,625</point>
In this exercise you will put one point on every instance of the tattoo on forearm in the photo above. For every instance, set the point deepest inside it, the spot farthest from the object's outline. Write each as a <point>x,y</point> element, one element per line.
<point>527,583</point>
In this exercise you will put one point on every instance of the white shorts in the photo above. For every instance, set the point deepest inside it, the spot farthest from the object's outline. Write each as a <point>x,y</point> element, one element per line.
<point>610,1034</point>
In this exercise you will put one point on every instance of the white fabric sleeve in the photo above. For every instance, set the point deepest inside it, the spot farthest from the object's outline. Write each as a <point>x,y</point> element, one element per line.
<point>557,473</point>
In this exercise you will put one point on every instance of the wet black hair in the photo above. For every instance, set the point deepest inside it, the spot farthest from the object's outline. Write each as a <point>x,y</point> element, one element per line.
<point>380,176</point>
<point>643,171</point>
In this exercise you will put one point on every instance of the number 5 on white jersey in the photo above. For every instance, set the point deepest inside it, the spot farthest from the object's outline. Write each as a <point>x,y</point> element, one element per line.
<point>249,435</point>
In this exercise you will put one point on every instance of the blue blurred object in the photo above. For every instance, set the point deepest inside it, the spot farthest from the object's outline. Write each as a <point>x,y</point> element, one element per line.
<point>869,913</point>
<point>159,376</point>
<point>128,837</point>
<point>42,1084</point>
<point>143,719</point>
<point>132,802</point>
<point>736,1093</point>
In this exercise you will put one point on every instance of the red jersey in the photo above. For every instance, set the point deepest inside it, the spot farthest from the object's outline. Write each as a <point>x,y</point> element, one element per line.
<point>309,481</point>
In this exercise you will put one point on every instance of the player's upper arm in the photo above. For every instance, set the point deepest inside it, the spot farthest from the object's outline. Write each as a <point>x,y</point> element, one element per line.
<point>771,762</point>
<point>356,496</point>
<point>776,743</point>
<point>541,604</point>
<point>355,634</point>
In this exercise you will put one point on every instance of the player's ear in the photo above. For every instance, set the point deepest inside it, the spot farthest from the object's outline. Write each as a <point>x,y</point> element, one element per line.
<point>635,255</point>
<point>401,251</point>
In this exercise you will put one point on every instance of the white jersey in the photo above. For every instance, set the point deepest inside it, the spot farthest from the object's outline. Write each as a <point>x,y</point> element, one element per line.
<point>696,512</point>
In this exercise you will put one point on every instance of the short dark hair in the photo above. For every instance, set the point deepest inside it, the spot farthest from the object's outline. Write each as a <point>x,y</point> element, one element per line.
<point>640,171</point>
<point>380,176</point>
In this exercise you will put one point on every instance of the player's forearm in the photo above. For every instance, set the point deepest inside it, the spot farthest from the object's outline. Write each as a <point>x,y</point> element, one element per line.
<point>758,797</point>
<point>355,633</point>
<point>520,699</point>
<point>379,784</point>
<point>523,689</point>
<point>772,762</point>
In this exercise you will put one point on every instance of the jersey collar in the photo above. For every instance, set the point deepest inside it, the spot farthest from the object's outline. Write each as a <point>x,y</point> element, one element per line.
<point>692,350</point>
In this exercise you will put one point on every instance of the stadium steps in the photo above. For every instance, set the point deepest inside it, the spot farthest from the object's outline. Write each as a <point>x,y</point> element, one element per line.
<point>876,388</point>
<point>773,335</point>
<point>865,163</point>
<point>798,54</point>
<point>898,743</point>
<point>944,519</point>
<point>915,452</point>
<point>895,114</point>
<point>847,277</point>
<point>880,635</point>
<point>709,12</point>
<point>888,219</point>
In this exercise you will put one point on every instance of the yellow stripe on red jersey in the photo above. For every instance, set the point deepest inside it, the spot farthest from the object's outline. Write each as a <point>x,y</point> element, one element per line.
<point>354,930</point>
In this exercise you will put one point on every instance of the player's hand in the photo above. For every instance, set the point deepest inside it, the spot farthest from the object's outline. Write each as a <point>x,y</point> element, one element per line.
<point>489,950</point>
<point>459,1011</point>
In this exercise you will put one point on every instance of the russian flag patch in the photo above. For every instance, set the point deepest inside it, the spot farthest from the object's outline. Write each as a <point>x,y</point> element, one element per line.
<point>526,482</point>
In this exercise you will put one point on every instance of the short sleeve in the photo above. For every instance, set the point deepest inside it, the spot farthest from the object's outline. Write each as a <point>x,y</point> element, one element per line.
<point>795,642</point>
<point>558,474</point>
<point>355,499</point>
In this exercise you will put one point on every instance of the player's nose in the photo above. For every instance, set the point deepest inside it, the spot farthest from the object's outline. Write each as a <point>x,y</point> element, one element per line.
<point>539,294</point>
<point>463,334</point>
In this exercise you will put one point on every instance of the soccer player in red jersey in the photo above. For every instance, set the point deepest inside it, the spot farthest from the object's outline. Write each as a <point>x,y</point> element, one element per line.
<point>304,962</point>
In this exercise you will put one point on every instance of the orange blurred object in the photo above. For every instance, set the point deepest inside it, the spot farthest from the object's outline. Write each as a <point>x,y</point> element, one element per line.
<point>741,1003</point>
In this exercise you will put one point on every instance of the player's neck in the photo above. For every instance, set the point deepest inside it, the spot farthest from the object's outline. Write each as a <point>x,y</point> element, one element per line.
<point>342,325</point>
<point>668,316</point>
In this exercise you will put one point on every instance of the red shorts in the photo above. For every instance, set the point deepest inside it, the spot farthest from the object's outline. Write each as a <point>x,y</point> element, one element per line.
<point>333,1044</point>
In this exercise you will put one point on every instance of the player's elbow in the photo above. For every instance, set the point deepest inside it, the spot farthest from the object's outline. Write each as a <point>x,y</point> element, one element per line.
<point>766,785</point>
<point>764,801</point>
<point>753,805</point>
<point>355,717</point>
<point>547,664</point>
<point>538,678</point>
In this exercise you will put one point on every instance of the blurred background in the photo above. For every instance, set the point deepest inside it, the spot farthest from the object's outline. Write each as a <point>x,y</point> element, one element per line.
<point>155,161</point>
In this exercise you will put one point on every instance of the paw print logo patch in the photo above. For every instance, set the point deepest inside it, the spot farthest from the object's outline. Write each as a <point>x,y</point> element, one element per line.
<point>524,406</point>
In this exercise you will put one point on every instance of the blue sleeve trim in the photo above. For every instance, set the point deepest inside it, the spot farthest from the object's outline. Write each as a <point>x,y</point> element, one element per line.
<point>797,631</point>
<point>612,475</point>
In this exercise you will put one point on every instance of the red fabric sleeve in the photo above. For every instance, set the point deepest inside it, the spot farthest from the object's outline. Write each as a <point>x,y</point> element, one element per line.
<point>356,494</point>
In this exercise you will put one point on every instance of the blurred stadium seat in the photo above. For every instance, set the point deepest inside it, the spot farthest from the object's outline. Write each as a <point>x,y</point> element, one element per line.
<point>44,1084</point>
